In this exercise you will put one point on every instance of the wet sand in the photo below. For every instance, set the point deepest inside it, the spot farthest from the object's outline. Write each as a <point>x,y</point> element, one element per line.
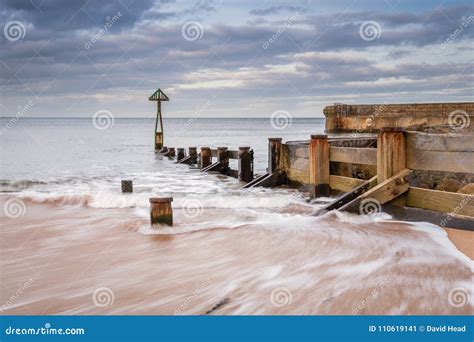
<point>77,260</point>
<point>463,240</point>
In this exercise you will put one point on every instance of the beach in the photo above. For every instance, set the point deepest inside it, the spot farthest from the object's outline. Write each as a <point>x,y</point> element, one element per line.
<point>74,260</point>
<point>73,244</point>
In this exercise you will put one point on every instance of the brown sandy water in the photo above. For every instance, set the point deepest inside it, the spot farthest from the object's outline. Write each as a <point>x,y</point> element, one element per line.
<point>73,259</point>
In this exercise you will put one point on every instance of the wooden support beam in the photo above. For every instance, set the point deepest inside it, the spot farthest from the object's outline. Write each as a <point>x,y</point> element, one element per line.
<point>206,157</point>
<point>381,193</point>
<point>319,165</point>
<point>245,173</point>
<point>127,186</point>
<point>158,141</point>
<point>172,152</point>
<point>161,211</point>
<point>274,154</point>
<point>193,155</point>
<point>181,154</point>
<point>223,159</point>
<point>443,201</point>
<point>349,196</point>
<point>391,152</point>
<point>353,155</point>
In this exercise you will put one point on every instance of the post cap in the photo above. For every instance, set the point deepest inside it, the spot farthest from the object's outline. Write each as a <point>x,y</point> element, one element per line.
<point>205,148</point>
<point>222,148</point>
<point>193,148</point>
<point>244,147</point>
<point>319,136</point>
<point>160,199</point>
<point>274,139</point>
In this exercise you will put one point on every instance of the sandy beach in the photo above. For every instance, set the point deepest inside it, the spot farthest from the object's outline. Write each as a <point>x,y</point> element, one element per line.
<point>73,259</point>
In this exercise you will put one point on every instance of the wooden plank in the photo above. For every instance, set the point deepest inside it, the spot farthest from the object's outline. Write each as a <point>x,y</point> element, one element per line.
<point>440,161</point>
<point>447,202</point>
<point>342,183</point>
<point>383,192</point>
<point>349,196</point>
<point>353,155</point>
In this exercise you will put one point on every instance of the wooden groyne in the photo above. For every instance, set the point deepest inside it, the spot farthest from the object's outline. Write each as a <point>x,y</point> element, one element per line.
<point>415,160</point>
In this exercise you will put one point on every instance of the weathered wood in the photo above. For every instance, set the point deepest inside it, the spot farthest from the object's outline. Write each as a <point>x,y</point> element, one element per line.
<point>274,154</point>
<point>344,184</point>
<point>193,155</point>
<point>319,165</point>
<point>353,155</point>
<point>172,152</point>
<point>349,196</point>
<point>391,152</point>
<point>127,186</point>
<point>206,157</point>
<point>223,159</point>
<point>161,211</point>
<point>383,192</point>
<point>181,154</point>
<point>245,172</point>
<point>158,141</point>
<point>443,201</point>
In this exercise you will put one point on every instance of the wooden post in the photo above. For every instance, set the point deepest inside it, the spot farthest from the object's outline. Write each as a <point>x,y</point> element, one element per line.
<point>172,152</point>
<point>158,141</point>
<point>206,157</point>
<point>161,211</point>
<point>245,164</point>
<point>181,153</point>
<point>319,165</point>
<point>223,159</point>
<point>193,154</point>
<point>391,152</point>
<point>127,186</point>
<point>274,154</point>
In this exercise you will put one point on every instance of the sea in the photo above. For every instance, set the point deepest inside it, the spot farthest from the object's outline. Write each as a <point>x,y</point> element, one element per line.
<point>73,243</point>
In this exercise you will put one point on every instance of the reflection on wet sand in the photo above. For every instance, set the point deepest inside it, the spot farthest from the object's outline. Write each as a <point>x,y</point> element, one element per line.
<point>81,260</point>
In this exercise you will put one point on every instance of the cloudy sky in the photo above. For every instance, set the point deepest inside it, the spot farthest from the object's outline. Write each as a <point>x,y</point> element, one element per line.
<point>230,58</point>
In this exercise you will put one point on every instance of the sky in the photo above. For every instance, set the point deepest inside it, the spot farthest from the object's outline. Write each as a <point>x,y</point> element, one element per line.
<point>73,58</point>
